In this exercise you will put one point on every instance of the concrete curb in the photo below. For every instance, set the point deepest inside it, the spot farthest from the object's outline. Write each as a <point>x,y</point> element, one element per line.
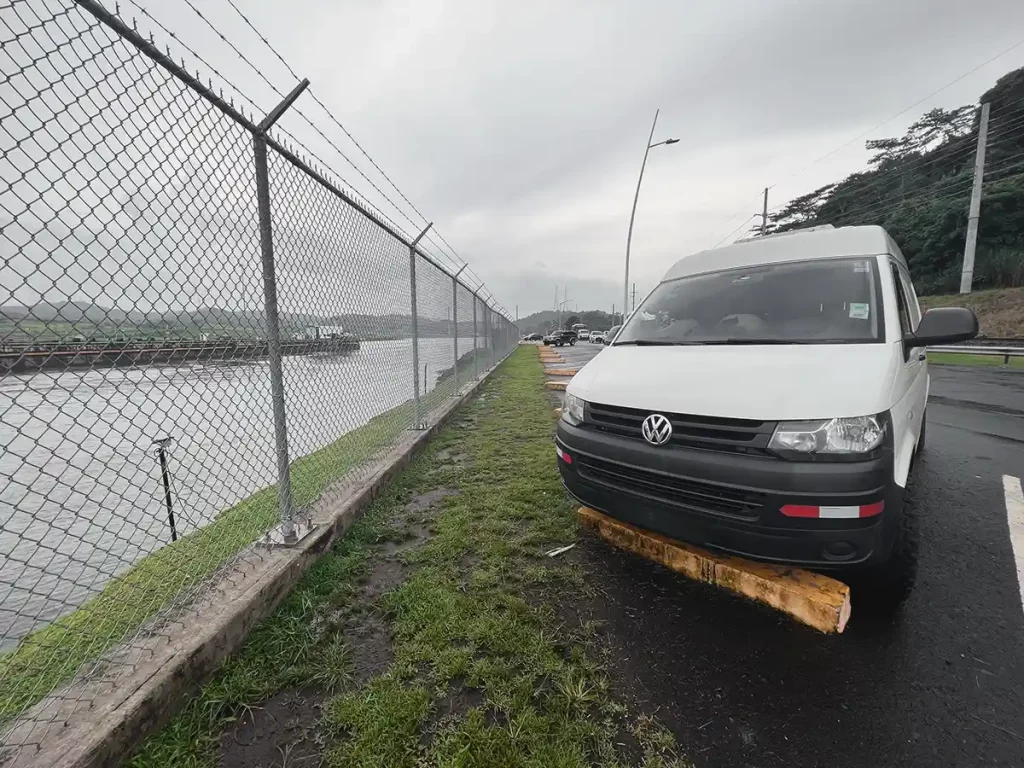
<point>91,724</point>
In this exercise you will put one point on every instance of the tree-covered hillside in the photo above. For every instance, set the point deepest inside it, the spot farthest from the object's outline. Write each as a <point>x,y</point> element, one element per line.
<point>918,186</point>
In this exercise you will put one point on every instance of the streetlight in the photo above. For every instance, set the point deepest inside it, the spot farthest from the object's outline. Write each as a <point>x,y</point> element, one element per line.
<point>629,237</point>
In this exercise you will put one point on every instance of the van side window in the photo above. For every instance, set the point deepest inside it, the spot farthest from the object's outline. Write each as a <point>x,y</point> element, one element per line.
<point>913,308</point>
<point>901,300</point>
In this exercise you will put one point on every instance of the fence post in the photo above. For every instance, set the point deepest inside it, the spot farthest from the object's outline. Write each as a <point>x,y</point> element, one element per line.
<point>284,480</point>
<point>489,330</point>
<point>476,337</point>
<point>455,324</point>
<point>967,275</point>
<point>417,419</point>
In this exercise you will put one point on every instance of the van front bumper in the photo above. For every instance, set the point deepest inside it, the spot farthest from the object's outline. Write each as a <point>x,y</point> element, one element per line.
<point>732,503</point>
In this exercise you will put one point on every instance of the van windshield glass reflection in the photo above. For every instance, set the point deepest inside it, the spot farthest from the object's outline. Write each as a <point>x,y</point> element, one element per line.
<point>826,301</point>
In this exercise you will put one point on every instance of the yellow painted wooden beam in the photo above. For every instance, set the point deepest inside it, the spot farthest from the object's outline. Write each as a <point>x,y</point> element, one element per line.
<point>560,372</point>
<point>810,598</point>
<point>558,413</point>
<point>559,385</point>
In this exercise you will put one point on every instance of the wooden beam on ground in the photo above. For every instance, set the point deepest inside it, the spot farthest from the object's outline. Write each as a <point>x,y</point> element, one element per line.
<point>810,598</point>
<point>559,385</point>
<point>560,372</point>
<point>558,413</point>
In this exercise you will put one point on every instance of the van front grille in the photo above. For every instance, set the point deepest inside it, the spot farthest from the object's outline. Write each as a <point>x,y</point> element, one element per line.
<point>706,432</point>
<point>677,491</point>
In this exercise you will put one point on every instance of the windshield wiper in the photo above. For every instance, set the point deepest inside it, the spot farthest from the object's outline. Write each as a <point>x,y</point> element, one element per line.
<point>761,341</point>
<point>655,343</point>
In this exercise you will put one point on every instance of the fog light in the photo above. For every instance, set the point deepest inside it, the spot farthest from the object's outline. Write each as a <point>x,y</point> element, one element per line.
<point>838,550</point>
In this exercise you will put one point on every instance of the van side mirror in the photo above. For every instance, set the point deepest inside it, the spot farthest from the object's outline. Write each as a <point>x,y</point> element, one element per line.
<point>943,325</point>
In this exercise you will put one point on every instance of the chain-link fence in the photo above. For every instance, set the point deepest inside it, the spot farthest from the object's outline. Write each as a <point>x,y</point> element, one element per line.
<point>202,342</point>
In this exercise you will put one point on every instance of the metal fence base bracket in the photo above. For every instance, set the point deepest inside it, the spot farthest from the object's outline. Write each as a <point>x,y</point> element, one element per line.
<point>275,537</point>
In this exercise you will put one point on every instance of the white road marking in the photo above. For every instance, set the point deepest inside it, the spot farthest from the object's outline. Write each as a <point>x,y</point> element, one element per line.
<point>1015,515</point>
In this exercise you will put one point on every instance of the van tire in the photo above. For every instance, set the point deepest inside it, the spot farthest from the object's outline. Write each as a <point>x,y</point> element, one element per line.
<point>882,589</point>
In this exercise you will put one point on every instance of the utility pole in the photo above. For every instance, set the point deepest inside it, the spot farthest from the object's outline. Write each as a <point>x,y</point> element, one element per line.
<point>967,275</point>
<point>613,315</point>
<point>764,214</point>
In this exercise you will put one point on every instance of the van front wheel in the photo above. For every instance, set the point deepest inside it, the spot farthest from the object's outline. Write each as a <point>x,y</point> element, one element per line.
<point>882,589</point>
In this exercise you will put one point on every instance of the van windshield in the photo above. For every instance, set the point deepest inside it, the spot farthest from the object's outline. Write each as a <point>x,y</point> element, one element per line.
<point>825,301</point>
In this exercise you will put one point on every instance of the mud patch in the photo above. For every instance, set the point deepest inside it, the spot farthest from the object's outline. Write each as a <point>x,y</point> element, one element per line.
<point>369,648</point>
<point>458,701</point>
<point>387,574</point>
<point>448,457</point>
<point>423,502</point>
<point>281,731</point>
<point>415,533</point>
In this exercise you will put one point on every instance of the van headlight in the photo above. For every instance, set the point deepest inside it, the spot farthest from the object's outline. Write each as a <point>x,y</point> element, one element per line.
<point>572,409</point>
<point>842,436</point>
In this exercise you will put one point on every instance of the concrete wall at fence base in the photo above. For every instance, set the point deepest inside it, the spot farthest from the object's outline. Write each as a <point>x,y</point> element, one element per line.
<point>93,723</point>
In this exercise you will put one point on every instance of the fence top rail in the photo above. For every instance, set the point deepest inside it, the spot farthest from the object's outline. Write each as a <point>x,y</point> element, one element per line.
<point>977,350</point>
<point>150,50</point>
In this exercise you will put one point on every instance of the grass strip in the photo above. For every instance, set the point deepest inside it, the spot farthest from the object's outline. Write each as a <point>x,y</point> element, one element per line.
<point>481,670</point>
<point>52,655</point>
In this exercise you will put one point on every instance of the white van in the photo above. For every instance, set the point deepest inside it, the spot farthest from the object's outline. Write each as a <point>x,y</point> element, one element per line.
<point>767,400</point>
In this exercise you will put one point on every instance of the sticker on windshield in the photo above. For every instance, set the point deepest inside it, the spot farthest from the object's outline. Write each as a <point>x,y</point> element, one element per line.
<point>859,311</point>
<point>861,266</point>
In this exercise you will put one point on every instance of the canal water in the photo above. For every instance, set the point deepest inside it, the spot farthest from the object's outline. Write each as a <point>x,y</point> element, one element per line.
<point>80,493</point>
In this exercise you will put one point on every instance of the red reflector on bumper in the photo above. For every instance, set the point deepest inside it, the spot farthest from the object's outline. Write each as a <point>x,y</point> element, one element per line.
<point>870,510</point>
<point>797,510</point>
<point>563,455</point>
<point>833,513</point>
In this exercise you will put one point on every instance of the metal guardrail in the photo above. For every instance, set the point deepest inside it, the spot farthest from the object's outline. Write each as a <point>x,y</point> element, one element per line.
<point>1005,352</point>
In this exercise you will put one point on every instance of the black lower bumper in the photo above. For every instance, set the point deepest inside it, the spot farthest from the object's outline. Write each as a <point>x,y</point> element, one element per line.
<point>733,503</point>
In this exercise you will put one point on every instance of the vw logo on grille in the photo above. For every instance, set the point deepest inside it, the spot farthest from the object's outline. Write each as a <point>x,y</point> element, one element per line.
<point>656,429</point>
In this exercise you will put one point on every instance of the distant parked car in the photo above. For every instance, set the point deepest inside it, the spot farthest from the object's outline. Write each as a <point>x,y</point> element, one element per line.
<point>560,338</point>
<point>533,337</point>
<point>583,334</point>
<point>597,337</point>
<point>610,336</point>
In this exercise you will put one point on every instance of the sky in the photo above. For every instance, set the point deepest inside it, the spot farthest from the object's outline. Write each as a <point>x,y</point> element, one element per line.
<point>518,128</point>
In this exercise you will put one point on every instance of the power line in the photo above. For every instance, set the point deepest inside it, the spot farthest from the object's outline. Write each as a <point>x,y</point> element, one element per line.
<point>741,226</point>
<point>882,177</point>
<point>738,213</point>
<point>907,109</point>
<point>898,114</point>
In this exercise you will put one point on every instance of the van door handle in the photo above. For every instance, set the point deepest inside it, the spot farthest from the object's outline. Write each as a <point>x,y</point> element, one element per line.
<point>922,356</point>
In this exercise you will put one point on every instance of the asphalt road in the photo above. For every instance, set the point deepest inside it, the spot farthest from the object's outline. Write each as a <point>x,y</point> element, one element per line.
<point>942,685</point>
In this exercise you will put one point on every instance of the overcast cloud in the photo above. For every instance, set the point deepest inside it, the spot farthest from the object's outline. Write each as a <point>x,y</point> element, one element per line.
<point>518,127</point>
